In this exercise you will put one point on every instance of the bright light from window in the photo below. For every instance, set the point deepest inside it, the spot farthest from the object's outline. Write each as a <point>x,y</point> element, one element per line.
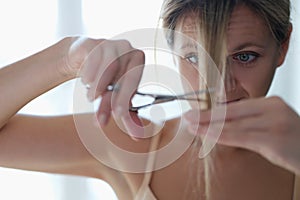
<point>114,16</point>
<point>26,26</point>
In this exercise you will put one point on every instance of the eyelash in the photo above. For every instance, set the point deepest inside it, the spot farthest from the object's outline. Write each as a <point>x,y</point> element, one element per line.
<point>188,58</point>
<point>252,57</point>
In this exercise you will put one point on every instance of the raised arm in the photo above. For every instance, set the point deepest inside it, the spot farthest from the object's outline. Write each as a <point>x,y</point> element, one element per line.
<point>27,79</point>
<point>51,144</point>
<point>98,63</point>
<point>39,143</point>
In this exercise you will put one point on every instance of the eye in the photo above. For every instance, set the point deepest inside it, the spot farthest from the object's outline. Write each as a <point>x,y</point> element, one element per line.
<point>192,58</point>
<point>246,57</point>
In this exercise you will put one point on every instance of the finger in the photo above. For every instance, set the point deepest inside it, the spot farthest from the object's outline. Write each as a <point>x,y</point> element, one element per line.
<point>133,125</point>
<point>103,79</point>
<point>104,112</point>
<point>129,82</point>
<point>193,116</point>
<point>240,109</point>
<point>112,65</point>
<point>85,48</point>
<point>106,59</point>
<point>247,133</point>
<point>236,110</point>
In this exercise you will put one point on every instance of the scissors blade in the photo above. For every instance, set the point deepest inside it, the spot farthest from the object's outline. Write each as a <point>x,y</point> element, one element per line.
<point>160,98</point>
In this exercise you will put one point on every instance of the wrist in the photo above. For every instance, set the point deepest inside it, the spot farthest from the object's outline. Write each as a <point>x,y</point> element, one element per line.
<point>59,59</point>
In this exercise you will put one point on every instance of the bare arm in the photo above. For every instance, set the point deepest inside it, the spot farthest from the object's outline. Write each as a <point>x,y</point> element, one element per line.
<point>27,79</point>
<point>51,144</point>
<point>48,144</point>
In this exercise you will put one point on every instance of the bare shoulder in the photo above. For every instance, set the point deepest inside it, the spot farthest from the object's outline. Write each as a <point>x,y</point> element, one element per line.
<point>115,148</point>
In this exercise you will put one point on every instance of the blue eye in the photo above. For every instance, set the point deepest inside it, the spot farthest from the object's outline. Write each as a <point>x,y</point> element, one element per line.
<point>245,57</point>
<point>192,58</point>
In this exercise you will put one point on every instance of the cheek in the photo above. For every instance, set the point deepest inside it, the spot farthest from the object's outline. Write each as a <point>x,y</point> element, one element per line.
<point>189,76</point>
<point>255,81</point>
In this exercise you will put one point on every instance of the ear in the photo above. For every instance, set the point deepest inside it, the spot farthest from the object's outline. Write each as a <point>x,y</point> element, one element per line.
<point>284,46</point>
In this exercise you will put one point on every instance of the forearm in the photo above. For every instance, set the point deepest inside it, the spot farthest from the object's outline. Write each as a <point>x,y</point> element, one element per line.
<point>25,80</point>
<point>52,144</point>
<point>47,144</point>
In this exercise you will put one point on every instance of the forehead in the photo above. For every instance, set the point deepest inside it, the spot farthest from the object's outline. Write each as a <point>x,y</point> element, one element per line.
<point>244,26</point>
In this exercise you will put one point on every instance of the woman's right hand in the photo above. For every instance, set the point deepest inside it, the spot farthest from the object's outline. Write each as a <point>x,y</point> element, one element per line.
<point>101,63</point>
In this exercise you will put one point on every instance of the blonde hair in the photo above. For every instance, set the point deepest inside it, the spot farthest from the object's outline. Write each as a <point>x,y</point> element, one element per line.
<point>276,15</point>
<point>212,17</point>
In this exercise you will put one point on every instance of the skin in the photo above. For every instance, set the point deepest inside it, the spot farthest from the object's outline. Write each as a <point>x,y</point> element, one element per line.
<point>248,123</point>
<point>260,49</point>
<point>52,144</point>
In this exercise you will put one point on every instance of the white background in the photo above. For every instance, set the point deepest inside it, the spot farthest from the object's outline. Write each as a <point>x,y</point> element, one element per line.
<point>31,25</point>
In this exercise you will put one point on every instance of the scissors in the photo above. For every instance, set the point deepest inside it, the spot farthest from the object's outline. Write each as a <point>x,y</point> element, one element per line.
<point>163,98</point>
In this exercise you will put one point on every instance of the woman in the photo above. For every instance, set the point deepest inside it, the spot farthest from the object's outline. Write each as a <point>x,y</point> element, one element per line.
<point>256,158</point>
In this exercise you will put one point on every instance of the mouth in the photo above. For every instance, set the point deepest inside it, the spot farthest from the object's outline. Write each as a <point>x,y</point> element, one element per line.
<point>230,101</point>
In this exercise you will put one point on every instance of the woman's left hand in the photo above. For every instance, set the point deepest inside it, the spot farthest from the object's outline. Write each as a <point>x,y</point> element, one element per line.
<point>267,126</point>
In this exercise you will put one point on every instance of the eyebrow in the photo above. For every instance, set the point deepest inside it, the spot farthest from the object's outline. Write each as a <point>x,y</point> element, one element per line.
<point>188,45</point>
<point>248,44</point>
<point>193,46</point>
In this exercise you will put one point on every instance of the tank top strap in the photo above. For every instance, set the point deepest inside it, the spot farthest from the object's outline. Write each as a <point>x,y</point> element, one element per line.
<point>144,188</point>
<point>151,159</point>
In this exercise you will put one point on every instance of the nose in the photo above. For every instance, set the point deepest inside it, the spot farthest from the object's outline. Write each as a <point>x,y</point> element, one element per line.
<point>230,81</point>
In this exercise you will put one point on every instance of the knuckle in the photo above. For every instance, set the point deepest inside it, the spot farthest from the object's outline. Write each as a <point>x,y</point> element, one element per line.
<point>275,151</point>
<point>281,107</point>
<point>134,78</point>
<point>69,39</point>
<point>139,54</point>
<point>124,43</point>
<point>277,101</point>
<point>278,104</point>
<point>281,126</point>
<point>86,80</point>
<point>80,48</point>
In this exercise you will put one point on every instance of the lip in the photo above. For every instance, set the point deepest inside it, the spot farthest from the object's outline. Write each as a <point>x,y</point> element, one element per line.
<point>230,101</point>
